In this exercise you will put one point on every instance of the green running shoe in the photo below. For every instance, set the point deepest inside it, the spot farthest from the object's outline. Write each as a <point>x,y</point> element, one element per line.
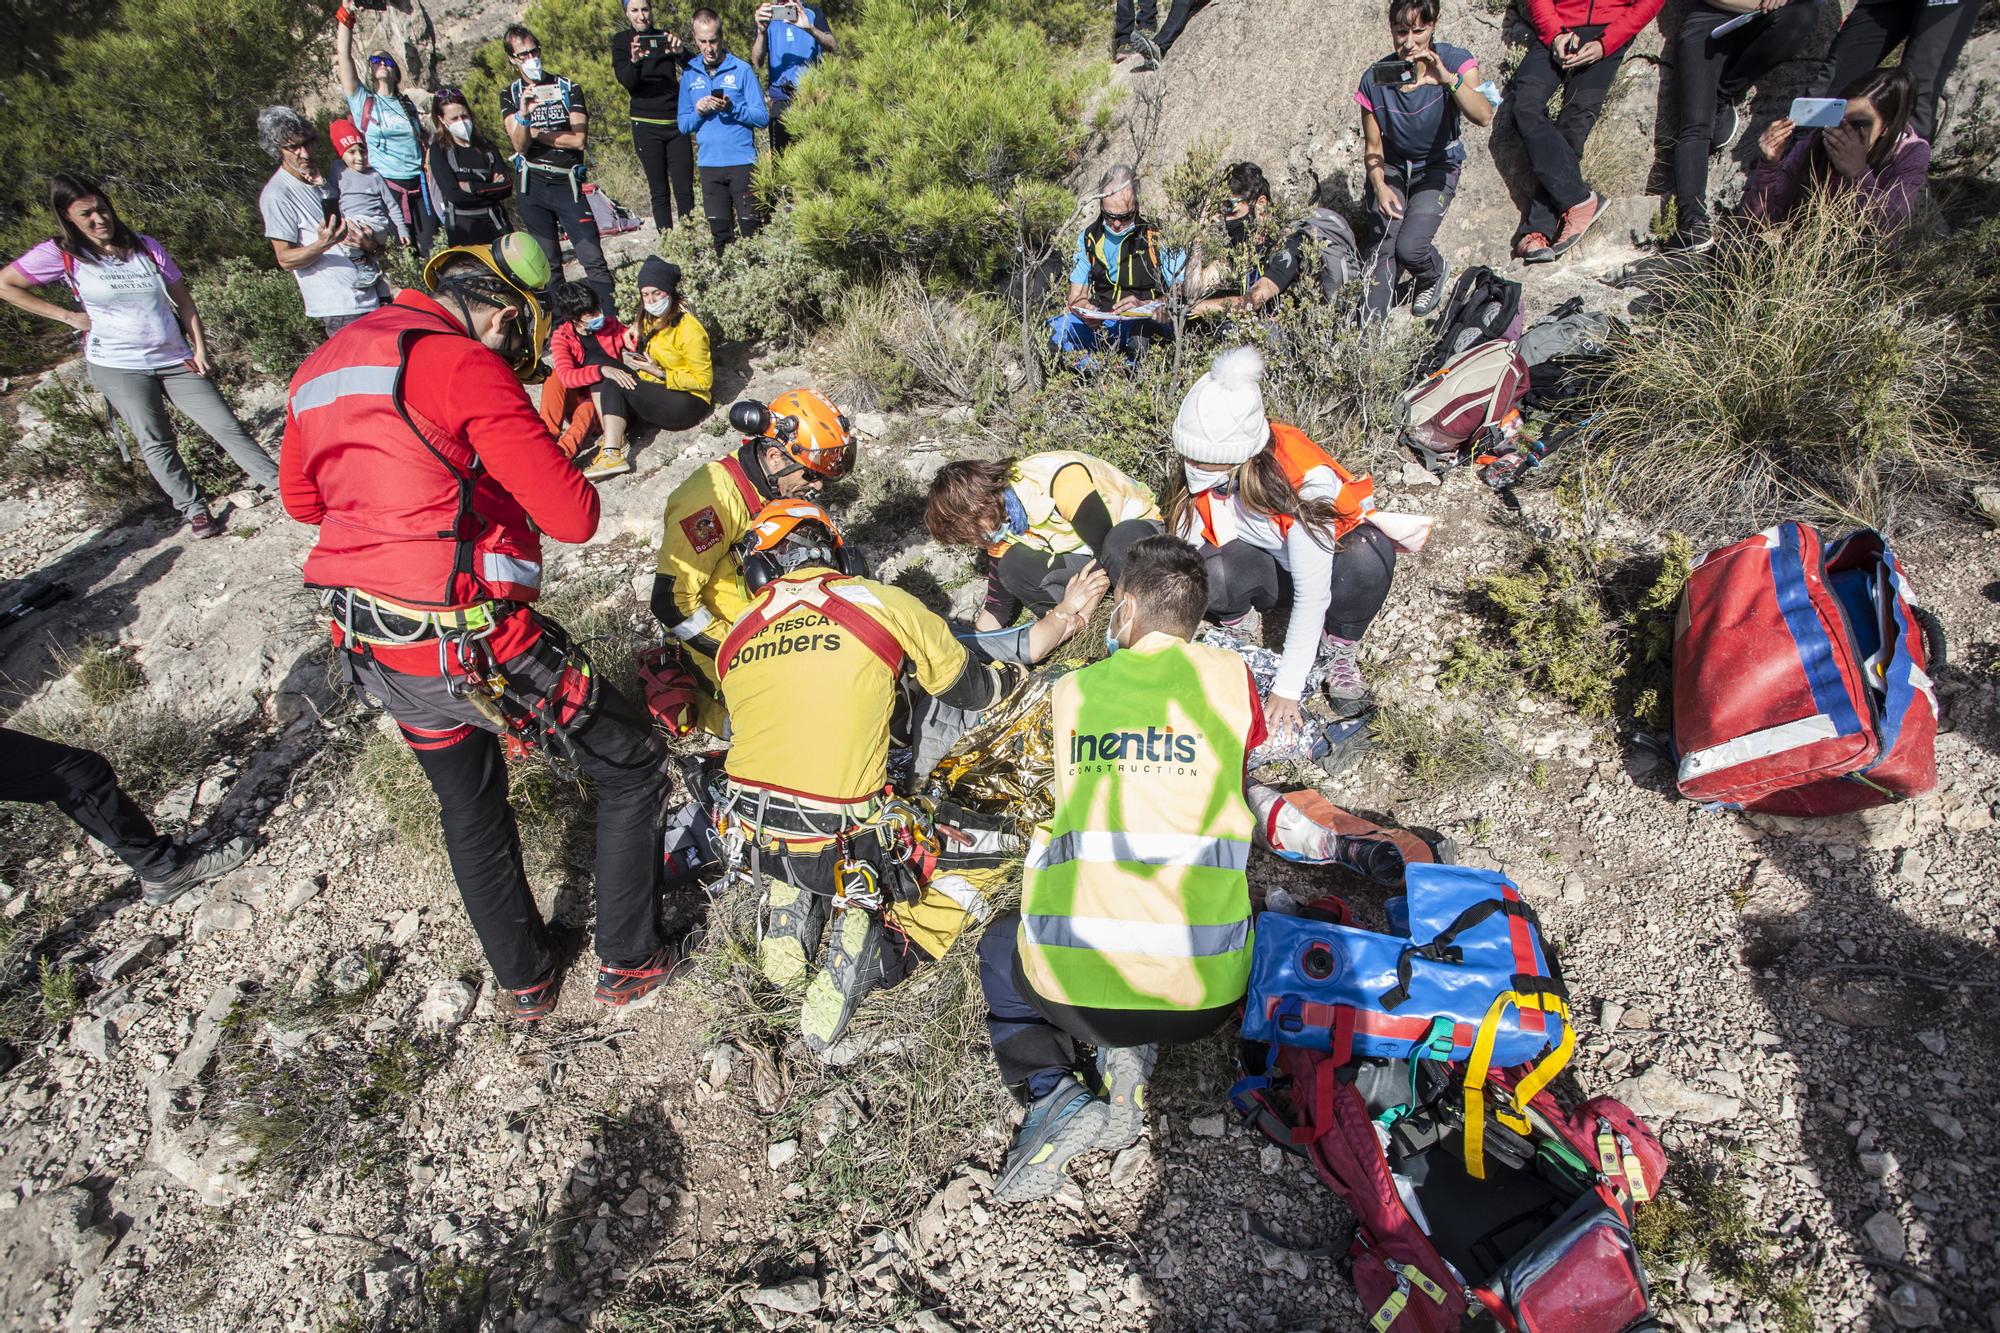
<point>793,920</point>
<point>1124,1074</point>
<point>853,968</point>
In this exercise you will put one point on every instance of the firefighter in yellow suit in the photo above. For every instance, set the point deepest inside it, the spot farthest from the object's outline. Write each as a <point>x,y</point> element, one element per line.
<point>790,448</point>
<point>811,674</point>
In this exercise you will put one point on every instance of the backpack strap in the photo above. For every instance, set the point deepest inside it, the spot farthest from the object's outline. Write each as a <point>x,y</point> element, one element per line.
<point>1441,949</point>
<point>871,633</point>
<point>1480,1065</point>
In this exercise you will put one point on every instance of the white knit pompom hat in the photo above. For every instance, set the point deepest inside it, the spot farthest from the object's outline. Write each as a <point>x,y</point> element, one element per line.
<point>1221,420</point>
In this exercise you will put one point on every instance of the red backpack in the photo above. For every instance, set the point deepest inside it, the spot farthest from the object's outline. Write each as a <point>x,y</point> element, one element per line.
<point>1521,1212</point>
<point>1474,398</point>
<point>1801,677</point>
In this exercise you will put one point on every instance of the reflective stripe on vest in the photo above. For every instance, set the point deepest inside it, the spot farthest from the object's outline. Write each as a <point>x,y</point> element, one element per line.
<point>1135,895</point>
<point>1297,456</point>
<point>322,390</point>
<point>1033,484</point>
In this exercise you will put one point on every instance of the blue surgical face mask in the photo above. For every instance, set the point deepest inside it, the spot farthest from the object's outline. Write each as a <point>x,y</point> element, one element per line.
<point>594,323</point>
<point>1111,644</point>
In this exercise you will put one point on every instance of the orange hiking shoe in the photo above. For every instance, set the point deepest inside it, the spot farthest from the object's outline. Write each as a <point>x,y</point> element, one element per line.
<point>1577,221</point>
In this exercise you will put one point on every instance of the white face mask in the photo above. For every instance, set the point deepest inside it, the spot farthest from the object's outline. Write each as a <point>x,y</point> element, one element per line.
<point>461,130</point>
<point>659,307</point>
<point>531,69</point>
<point>1111,644</point>
<point>1200,479</point>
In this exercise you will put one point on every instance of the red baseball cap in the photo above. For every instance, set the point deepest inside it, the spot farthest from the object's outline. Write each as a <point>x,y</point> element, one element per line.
<point>344,135</point>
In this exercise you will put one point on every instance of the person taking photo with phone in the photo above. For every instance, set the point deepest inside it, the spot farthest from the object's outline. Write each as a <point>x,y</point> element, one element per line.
<point>1577,49</point>
<point>389,122</point>
<point>722,106</point>
<point>1873,153</point>
<point>549,127</point>
<point>143,343</point>
<point>1712,71</point>
<point>1411,106</point>
<point>648,64</point>
<point>793,37</point>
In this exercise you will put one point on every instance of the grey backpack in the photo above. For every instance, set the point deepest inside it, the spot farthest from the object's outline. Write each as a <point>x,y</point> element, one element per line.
<point>1339,255</point>
<point>1567,331</point>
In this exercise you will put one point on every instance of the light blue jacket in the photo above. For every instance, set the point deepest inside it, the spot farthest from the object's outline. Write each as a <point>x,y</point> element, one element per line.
<point>724,138</point>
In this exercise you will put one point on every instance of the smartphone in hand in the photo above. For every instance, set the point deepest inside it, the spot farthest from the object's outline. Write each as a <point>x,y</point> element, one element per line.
<point>1392,73</point>
<point>1818,113</point>
<point>785,14</point>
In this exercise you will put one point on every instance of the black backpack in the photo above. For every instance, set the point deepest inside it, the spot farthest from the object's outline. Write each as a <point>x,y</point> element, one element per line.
<point>1483,306</point>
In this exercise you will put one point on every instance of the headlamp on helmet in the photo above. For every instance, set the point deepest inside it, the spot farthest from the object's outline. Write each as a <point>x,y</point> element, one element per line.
<point>806,426</point>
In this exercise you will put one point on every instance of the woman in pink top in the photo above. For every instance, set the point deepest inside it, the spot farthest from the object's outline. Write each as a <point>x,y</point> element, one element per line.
<point>143,340</point>
<point>1872,153</point>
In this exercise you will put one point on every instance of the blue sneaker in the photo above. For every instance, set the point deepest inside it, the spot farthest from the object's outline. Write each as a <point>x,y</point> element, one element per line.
<point>1124,1072</point>
<point>1058,1128</point>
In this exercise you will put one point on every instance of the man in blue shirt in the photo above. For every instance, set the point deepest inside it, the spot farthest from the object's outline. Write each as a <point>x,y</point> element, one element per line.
<point>722,105</point>
<point>794,46</point>
<point>1119,280</point>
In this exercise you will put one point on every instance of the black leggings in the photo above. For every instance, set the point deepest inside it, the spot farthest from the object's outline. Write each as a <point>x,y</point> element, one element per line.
<point>653,404</point>
<point>1242,577</point>
<point>1036,579</point>
<point>81,784</point>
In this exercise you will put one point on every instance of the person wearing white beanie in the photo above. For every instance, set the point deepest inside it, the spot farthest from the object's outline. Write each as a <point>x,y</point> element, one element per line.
<point>1273,514</point>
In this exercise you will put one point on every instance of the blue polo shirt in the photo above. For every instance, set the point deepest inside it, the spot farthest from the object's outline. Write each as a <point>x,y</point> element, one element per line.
<point>791,51</point>
<point>723,138</point>
<point>1420,124</point>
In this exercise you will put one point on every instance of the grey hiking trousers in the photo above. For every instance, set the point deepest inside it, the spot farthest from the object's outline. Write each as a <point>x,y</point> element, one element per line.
<point>139,397</point>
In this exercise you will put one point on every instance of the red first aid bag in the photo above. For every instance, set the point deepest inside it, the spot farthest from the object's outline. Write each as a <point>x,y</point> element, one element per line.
<point>1801,677</point>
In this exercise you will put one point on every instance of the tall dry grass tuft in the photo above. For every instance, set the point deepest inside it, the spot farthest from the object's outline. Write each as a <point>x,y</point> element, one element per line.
<point>899,345</point>
<point>1805,375</point>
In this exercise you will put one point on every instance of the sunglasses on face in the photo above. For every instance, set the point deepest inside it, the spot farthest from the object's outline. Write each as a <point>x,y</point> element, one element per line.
<point>523,55</point>
<point>1121,219</point>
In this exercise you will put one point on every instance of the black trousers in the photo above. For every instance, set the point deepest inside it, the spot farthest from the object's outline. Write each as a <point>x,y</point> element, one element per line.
<point>652,404</point>
<point>547,208</point>
<point>730,206</point>
<point>1710,70</point>
<point>1035,1038</point>
<point>1932,36</point>
<point>1555,147</point>
<point>1036,579</point>
<point>80,783</point>
<point>780,136</point>
<point>667,157</point>
<point>1242,577</point>
<point>459,751</point>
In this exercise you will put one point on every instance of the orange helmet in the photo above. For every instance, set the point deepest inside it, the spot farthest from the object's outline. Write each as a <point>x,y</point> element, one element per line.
<point>761,548</point>
<point>814,434</point>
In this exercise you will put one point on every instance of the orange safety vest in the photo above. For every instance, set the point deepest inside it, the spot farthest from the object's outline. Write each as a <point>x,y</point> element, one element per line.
<point>1298,455</point>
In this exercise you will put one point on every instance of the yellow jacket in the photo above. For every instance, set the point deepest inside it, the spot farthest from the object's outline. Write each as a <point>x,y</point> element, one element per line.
<point>681,352</point>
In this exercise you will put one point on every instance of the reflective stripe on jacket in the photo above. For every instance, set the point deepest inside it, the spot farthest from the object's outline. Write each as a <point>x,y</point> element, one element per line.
<point>1136,894</point>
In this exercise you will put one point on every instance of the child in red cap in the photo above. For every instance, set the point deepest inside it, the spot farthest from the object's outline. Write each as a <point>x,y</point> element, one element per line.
<point>364,199</point>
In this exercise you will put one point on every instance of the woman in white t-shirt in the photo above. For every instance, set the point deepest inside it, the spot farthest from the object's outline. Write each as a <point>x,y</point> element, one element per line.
<point>143,340</point>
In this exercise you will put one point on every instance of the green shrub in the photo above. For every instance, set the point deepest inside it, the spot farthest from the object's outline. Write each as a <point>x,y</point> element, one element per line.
<point>898,345</point>
<point>764,290</point>
<point>1437,751</point>
<point>1800,378</point>
<point>162,100</point>
<point>1701,1217</point>
<point>107,673</point>
<point>78,440</point>
<point>931,141</point>
<point>255,319</point>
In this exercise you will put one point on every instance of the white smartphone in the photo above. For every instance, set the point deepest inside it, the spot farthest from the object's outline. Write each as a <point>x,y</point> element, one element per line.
<point>1818,113</point>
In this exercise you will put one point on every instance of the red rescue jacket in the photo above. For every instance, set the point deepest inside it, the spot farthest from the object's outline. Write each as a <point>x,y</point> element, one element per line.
<point>429,474</point>
<point>1622,20</point>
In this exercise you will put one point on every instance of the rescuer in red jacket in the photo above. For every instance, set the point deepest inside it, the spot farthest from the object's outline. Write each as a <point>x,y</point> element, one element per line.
<point>411,445</point>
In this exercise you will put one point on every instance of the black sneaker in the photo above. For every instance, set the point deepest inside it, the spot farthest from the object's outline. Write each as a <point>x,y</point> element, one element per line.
<point>1728,128</point>
<point>530,1004</point>
<point>1426,300</point>
<point>620,986</point>
<point>196,868</point>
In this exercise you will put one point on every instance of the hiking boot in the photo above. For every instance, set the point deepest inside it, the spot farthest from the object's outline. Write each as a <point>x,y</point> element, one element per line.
<point>1344,742</point>
<point>196,868</point>
<point>1728,128</point>
<point>1148,50</point>
<point>620,986</point>
<point>853,968</point>
<point>1345,688</point>
<point>1058,1128</point>
<point>204,525</point>
<point>1576,221</point>
<point>1533,249</point>
<point>793,920</point>
<point>608,463</point>
<point>1123,1073</point>
<point>530,1004</point>
<point>1426,300</point>
<point>1692,239</point>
